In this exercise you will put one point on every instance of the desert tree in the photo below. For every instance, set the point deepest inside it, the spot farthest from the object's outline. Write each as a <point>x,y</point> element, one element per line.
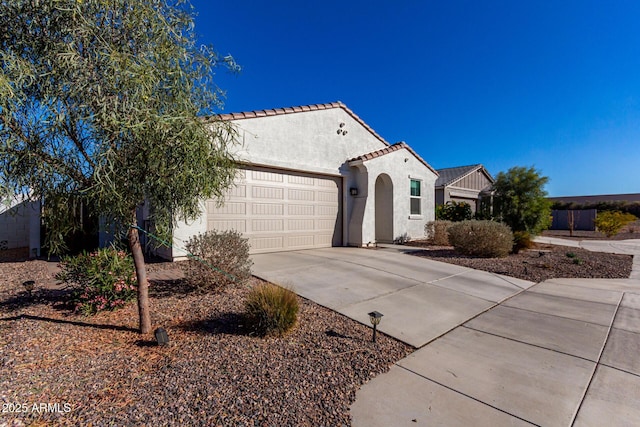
<point>102,102</point>
<point>520,200</point>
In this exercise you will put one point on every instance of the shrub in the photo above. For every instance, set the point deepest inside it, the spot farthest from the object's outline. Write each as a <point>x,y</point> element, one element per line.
<point>570,255</point>
<point>486,239</point>
<point>454,211</point>
<point>521,240</point>
<point>218,259</point>
<point>271,309</point>
<point>437,233</point>
<point>611,222</point>
<point>101,280</point>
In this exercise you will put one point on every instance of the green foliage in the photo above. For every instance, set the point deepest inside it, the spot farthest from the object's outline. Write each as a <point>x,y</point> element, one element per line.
<point>437,232</point>
<point>219,259</point>
<point>485,207</point>
<point>521,240</point>
<point>454,211</point>
<point>101,103</point>
<point>101,280</point>
<point>271,309</point>
<point>570,255</point>
<point>520,200</point>
<point>577,261</point>
<point>611,222</point>
<point>487,239</point>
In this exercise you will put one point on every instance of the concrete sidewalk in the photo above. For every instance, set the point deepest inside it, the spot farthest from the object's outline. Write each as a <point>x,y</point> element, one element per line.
<point>421,299</point>
<point>494,350</point>
<point>563,352</point>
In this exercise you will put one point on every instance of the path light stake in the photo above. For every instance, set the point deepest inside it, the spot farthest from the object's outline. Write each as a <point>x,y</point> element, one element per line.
<point>161,336</point>
<point>29,285</point>
<point>375,317</point>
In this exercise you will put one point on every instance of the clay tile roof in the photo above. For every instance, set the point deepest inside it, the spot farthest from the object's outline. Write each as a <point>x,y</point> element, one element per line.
<point>300,109</point>
<point>390,149</point>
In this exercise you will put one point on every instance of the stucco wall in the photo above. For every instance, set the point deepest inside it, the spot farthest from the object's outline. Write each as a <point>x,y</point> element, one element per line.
<point>310,141</point>
<point>401,166</point>
<point>20,225</point>
<point>306,141</point>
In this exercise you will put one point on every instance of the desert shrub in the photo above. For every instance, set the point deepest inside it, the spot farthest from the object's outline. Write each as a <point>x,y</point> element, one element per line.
<point>521,240</point>
<point>218,258</point>
<point>486,239</point>
<point>570,255</point>
<point>101,280</point>
<point>454,211</point>
<point>271,309</point>
<point>611,222</point>
<point>436,232</point>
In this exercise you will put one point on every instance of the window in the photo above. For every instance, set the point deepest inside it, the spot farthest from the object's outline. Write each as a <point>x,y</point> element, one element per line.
<point>415,197</point>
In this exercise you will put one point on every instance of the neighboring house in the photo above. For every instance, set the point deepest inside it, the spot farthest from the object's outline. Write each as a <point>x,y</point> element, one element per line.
<point>19,228</point>
<point>318,176</point>
<point>463,184</point>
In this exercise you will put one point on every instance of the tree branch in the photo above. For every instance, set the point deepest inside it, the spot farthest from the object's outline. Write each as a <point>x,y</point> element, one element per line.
<point>58,164</point>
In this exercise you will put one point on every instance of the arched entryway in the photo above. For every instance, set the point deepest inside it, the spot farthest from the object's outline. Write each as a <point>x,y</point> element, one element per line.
<point>384,209</point>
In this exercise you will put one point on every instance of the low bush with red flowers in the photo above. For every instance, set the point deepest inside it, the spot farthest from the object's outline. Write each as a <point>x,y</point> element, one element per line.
<point>101,280</point>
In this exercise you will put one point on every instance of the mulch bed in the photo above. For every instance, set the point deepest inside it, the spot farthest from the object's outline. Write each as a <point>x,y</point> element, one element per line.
<point>540,263</point>
<point>99,371</point>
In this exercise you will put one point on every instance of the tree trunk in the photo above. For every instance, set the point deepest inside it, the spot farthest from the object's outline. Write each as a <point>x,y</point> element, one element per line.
<point>143,284</point>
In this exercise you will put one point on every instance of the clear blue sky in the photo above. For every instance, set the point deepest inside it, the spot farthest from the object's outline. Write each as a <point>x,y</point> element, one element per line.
<point>553,84</point>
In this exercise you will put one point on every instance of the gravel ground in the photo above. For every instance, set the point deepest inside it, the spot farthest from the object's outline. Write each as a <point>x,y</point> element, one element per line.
<point>100,371</point>
<point>539,263</point>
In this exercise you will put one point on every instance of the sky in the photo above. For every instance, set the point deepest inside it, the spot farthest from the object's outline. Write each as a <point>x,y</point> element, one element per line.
<point>549,84</point>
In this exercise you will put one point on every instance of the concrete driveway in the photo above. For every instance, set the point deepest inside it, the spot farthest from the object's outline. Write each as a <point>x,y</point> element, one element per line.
<point>420,299</point>
<point>499,351</point>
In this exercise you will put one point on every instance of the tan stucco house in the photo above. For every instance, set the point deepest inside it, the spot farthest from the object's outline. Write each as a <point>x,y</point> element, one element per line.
<point>463,184</point>
<point>318,176</point>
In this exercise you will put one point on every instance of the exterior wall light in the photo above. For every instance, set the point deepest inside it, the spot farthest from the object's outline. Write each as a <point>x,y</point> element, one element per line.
<point>375,317</point>
<point>161,336</point>
<point>353,191</point>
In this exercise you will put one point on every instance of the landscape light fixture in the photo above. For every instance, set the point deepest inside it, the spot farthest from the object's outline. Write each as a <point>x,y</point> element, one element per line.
<point>29,285</point>
<point>161,336</point>
<point>375,317</point>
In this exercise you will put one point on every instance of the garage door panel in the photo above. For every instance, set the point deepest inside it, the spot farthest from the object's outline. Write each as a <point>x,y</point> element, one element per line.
<point>306,195</point>
<point>239,225</point>
<point>325,224</point>
<point>278,210</point>
<point>267,176</point>
<point>271,193</point>
<point>300,210</point>
<point>323,240</point>
<point>266,244</point>
<point>229,208</point>
<point>301,224</point>
<point>301,180</point>
<point>267,209</point>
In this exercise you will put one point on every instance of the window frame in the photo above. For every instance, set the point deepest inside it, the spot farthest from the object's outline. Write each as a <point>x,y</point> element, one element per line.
<point>412,197</point>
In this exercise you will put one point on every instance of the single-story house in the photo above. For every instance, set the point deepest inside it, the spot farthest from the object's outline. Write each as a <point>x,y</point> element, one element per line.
<point>317,176</point>
<point>19,228</point>
<point>462,184</point>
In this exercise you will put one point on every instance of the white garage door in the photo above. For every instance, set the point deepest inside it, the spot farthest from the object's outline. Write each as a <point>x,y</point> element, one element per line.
<point>279,211</point>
